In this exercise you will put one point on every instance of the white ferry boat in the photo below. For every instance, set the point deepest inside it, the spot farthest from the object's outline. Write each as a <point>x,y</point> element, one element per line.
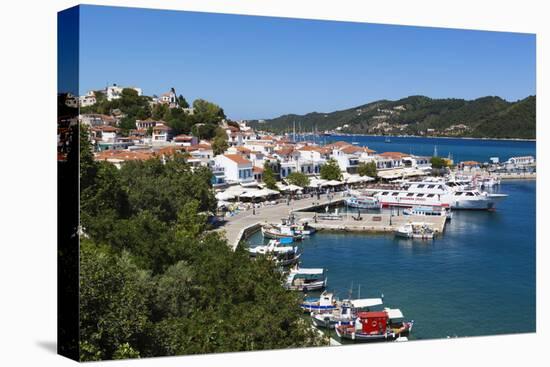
<point>435,194</point>
<point>363,202</point>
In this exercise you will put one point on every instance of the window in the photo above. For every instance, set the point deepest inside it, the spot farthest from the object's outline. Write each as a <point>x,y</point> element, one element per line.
<point>395,194</point>
<point>420,195</point>
<point>431,186</point>
<point>410,194</point>
<point>431,195</point>
<point>421,186</point>
<point>385,193</point>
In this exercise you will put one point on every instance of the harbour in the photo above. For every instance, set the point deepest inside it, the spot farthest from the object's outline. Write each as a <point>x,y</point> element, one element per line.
<point>479,272</point>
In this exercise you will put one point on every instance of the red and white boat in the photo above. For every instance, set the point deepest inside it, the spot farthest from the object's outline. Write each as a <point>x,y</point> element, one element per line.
<point>386,325</point>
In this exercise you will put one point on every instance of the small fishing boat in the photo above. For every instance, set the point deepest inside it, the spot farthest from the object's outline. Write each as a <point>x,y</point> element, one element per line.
<point>324,303</point>
<point>300,227</point>
<point>363,202</point>
<point>281,231</point>
<point>415,230</point>
<point>387,325</point>
<point>427,211</point>
<point>281,255</point>
<point>345,312</point>
<point>306,279</point>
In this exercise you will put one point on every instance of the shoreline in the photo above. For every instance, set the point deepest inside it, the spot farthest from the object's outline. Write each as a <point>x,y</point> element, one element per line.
<point>440,137</point>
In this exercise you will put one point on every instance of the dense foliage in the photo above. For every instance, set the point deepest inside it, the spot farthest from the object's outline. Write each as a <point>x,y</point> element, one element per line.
<point>154,281</point>
<point>203,122</point>
<point>485,117</point>
<point>331,170</point>
<point>367,169</point>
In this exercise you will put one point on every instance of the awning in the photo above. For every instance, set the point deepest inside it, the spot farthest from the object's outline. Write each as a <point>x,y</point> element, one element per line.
<point>309,271</point>
<point>394,313</point>
<point>366,302</point>
<point>224,196</point>
<point>334,183</point>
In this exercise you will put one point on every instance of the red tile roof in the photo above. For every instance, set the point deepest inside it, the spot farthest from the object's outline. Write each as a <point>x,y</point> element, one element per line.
<point>394,155</point>
<point>238,158</point>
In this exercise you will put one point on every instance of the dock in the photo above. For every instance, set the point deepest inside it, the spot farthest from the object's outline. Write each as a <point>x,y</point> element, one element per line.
<point>372,222</point>
<point>244,224</point>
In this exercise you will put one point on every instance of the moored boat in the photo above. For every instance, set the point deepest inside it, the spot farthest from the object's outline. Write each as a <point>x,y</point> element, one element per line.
<point>345,312</point>
<point>386,325</point>
<point>282,231</point>
<point>363,202</point>
<point>324,303</point>
<point>281,255</point>
<point>415,230</point>
<point>306,279</point>
<point>426,211</point>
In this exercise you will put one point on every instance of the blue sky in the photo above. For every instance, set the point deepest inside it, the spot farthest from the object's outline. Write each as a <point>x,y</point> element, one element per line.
<point>262,67</point>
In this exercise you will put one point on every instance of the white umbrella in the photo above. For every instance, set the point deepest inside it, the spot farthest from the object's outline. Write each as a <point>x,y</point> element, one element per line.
<point>334,183</point>
<point>224,196</point>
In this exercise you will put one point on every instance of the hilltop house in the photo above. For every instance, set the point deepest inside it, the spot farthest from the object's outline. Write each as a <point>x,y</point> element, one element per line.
<point>162,134</point>
<point>115,92</point>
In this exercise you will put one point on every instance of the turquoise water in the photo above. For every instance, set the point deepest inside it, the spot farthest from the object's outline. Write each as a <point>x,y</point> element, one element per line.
<point>460,149</point>
<point>476,279</point>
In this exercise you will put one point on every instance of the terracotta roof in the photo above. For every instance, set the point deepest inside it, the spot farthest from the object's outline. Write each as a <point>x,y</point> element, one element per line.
<point>183,137</point>
<point>470,163</point>
<point>338,144</point>
<point>123,155</point>
<point>106,129</point>
<point>243,149</point>
<point>239,159</point>
<point>394,155</point>
<point>350,149</point>
<point>257,169</point>
<point>162,128</point>
<point>284,151</point>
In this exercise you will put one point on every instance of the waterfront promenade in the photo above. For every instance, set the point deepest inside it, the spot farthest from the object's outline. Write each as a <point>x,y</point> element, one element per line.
<point>243,223</point>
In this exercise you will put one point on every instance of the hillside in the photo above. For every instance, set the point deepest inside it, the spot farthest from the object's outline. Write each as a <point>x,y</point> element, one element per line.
<point>490,117</point>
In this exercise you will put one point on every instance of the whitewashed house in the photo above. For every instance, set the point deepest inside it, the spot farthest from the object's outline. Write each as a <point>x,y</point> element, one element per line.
<point>236,168</point>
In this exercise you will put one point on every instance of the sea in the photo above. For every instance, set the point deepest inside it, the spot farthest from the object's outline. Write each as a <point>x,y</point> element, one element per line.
<point>477,278</point>
<point>479,150</point>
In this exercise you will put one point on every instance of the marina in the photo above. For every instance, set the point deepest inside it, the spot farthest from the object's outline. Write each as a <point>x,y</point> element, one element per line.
<point>395,238</point>
<point>455,285</point>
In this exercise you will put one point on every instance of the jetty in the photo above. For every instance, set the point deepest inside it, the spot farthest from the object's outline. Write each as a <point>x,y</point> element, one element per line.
<point>243,224</point>
<point>371,222</point>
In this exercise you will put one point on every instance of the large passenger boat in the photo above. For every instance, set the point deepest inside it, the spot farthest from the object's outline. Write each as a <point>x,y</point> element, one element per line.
<point>435,194</point>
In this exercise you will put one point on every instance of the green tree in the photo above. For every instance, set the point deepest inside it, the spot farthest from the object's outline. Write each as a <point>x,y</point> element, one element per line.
<point>219,143</point>
<point>298,179</point>
<point>331,170</point>
<point>182,102</point>
<point>367,169</point>
<point>438,162</point>
<point>114,297</point>
<point>269,177</point>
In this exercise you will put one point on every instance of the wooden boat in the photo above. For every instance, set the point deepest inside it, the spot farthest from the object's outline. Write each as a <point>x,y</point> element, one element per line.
<point>386,325</point>
<point>281,255</point>
<point>306,279</point>
<point>416,231</point>
<point>275,232</point>
<point>324,303</point>
<point>345,312</point>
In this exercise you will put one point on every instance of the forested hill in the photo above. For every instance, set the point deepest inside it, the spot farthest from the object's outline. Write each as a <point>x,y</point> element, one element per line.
<point>490,117</point>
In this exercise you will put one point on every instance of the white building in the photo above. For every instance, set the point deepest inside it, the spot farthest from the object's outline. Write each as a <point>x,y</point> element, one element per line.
<point>162,134</point>
<point>236,168</point>
<point>88,99</point>
<point>114,91</point>
<point>148,123</point>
